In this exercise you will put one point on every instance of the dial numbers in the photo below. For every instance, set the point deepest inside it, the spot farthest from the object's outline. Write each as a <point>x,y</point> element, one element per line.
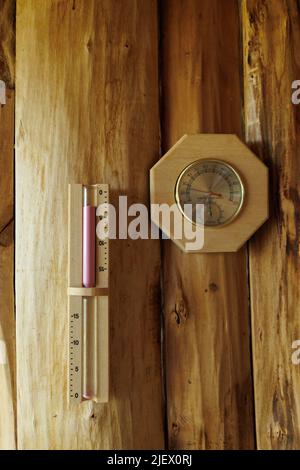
<point>214,184</point>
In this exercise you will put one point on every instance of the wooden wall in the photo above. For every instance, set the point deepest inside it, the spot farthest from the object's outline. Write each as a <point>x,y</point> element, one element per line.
<point>271,41</point>
<point>7,313</point>
<point>87,112</point>
<point>101,91</point>
<point>207,355</point>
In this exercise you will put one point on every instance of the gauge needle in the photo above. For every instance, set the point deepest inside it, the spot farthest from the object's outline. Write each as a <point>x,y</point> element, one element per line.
<point>206,192</point>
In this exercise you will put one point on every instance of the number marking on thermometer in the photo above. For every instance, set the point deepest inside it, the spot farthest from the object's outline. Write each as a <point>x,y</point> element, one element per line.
<point>102,245</point>
<point>75,349</point>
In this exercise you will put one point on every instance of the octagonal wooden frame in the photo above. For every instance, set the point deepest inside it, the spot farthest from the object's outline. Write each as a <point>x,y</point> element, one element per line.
<point>230,149</point>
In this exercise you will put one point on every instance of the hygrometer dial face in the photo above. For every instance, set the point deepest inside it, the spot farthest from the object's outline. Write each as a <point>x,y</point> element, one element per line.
<point>216,185</point>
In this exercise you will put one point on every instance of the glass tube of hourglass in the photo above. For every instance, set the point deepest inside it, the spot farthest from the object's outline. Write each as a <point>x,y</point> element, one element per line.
<point>89,385</point>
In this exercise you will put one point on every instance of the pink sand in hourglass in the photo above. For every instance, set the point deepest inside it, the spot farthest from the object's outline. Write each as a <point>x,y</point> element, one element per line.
<point>89,241</point>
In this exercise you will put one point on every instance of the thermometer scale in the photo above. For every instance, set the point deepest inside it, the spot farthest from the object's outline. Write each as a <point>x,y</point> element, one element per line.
<point>88,294</point>
<point>216,185</point>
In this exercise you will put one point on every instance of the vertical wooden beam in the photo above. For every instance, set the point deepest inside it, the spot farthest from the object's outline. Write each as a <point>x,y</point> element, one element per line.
<point>87,111</point>
<point>207,357</point>
<point>7,318</point>
<point>272,57</point>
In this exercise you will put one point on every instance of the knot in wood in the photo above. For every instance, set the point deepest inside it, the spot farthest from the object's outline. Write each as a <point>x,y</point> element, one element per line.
<point>180,312</point>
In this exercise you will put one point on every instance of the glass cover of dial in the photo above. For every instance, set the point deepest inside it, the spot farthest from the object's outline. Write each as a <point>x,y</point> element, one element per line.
<point>214,184</point>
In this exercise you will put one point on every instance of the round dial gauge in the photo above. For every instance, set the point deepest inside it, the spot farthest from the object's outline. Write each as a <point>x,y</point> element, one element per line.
<point>214,184</point>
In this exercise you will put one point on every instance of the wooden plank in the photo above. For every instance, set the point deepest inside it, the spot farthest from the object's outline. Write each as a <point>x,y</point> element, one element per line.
<point>209,388</point>
<point>271,38</point>
<point>87,94</point>
<point>7,317</point>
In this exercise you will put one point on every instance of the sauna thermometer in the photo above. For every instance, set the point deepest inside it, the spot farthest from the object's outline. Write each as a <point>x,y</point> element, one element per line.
<point>214,184</point>
<point>221,173</point>
<point>88,294</point>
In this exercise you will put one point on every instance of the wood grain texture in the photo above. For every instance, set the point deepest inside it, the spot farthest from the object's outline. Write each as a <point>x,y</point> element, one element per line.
<point>87,94</point>
<point>207,357</point>
<point>7,318</point>
<point>272,57</point>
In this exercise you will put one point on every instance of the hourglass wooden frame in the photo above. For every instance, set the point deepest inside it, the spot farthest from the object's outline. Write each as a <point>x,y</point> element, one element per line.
<point>97,295</point>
